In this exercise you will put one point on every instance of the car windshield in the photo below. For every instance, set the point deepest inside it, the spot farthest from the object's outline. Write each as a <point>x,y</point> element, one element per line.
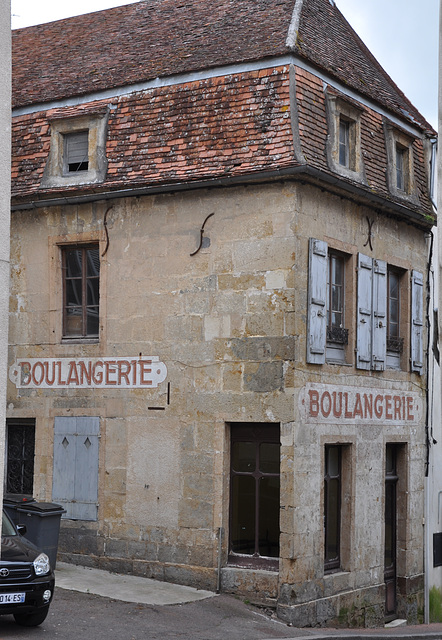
<point>8,528</point>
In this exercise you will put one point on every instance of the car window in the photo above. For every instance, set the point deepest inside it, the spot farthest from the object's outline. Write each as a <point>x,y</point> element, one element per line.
<point>8,528</point>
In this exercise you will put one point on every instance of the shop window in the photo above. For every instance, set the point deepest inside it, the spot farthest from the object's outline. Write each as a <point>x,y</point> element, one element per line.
<point>81,291</point>
<point>254,495</point>
<point>20,449</point>
<point>75,473</point>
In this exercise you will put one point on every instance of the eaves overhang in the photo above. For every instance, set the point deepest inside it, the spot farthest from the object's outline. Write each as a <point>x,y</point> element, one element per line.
<point>303,173</point>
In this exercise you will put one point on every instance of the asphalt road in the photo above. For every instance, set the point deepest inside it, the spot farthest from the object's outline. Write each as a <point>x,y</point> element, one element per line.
<point>81,616</point>
<point>85,616</point>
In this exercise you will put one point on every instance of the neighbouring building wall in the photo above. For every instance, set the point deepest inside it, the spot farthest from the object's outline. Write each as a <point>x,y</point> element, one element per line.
<point>5,195</point>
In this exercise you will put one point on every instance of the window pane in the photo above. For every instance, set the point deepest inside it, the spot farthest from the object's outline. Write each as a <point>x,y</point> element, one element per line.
<point>269,457</point>
<point>73,321</point>
<point>93,291</point>
<point>269,517</point>
<point>332,520</point>
<point>343,143</point>
<point>390,491</point>
<point>74,263</point>
<point>93,262</point>
<point>92,321</point>
<point>244,456</point>
<point>332,468</point>
<point>243,514</point>
<point>73,292</point>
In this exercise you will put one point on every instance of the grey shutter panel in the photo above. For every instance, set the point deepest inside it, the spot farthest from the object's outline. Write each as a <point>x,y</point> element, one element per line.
<point>75,477</point>
<point>364,315</point>
<point>317,302</point>
<point>417,321</point>
<point>379,336</point>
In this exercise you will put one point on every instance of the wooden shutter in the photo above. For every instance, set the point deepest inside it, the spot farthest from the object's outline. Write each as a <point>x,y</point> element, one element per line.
<point>75,479</point>
<point>317,302</point>
<point>364,315</point>
<point>379,336</point>
<point>417,321</point>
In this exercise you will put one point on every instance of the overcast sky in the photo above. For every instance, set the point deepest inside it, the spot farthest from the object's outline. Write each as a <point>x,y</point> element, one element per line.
<point>402,35</point>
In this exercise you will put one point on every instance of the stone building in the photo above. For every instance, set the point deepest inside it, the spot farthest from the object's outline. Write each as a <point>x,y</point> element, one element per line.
<point>220,218</point>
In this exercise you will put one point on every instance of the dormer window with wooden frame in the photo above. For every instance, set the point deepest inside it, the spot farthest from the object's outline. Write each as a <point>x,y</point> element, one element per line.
<point>344,154</point>
<point>400,170</point>
<point>78,150</point>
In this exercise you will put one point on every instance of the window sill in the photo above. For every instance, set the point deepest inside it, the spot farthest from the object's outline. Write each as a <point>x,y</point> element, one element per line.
<point>80,341</point>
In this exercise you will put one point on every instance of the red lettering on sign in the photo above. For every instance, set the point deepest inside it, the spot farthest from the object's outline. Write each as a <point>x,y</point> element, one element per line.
<point>314,403</point>
<point>358,406</point>
<point>337,412</point>
<point>347,413</point>
<point>326,406</point>
<point>85,372</point>
<point>388,413</point>
<point>110,368</point>
<point>144,370</point>
<point>72,373</point>
<point>410,415</point>
<point>378,408</point>
<point>368,405</point>
<point>124,374</point>
<point>97,377</point>
<point>42,373</point>
<point>397,407</point>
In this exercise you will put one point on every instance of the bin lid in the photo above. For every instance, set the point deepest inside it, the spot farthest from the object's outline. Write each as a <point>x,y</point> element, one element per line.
<point>17,498</point>
<point>41,508</point>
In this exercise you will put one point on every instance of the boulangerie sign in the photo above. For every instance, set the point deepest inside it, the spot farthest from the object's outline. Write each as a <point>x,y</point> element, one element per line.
<point>145,372</point>
<point>338,404</point>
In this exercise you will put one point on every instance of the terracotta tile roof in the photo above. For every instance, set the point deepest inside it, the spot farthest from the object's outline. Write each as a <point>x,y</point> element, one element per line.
<point>156,38</point>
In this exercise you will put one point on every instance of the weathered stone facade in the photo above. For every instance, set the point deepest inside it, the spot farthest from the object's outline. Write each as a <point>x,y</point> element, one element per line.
<point>223,301</point>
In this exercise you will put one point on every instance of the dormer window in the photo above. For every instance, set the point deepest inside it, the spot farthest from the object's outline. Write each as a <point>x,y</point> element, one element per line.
<point>400,173</point>
<point>76,152</point>
<point>344,153</point>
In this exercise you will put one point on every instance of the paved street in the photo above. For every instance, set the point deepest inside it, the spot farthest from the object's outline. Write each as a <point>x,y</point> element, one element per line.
<point>81,616</point>
<point>98,605</point>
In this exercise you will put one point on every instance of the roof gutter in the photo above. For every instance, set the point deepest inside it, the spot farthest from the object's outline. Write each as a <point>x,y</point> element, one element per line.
<point>303,172</point>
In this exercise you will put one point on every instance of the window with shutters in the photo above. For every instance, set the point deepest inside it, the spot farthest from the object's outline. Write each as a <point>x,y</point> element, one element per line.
<point>381,311</point>
<point>77,154</point>
<point>328,311</point>
<point>395,331</point>
<point>75,473</point>
<point>81,291</point>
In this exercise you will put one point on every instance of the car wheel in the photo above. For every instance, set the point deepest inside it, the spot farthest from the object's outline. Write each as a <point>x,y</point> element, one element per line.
<point>31,619</point>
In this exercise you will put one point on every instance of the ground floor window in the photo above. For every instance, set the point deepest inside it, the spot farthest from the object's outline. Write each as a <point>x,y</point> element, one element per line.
<point>254,495</point>
<point>20,449</point>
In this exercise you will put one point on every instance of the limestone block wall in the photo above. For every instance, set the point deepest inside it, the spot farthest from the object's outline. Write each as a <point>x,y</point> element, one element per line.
<point>229,322</point>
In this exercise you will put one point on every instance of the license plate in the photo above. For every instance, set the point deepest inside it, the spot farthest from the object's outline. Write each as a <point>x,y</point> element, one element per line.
<point>9,598</point>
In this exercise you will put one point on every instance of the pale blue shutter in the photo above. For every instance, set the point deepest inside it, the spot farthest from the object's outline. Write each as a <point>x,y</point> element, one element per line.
<point>317,302</point>
<point>379,336</point>
<point>75,476</point>
<point>417,321</point>
<point>364,314</point>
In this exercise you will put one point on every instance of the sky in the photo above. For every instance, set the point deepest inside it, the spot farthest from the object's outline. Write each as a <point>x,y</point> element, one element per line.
<point>401,34</point>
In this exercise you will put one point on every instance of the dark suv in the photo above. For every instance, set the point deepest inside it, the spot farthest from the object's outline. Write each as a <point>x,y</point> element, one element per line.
<point>26,578</point>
